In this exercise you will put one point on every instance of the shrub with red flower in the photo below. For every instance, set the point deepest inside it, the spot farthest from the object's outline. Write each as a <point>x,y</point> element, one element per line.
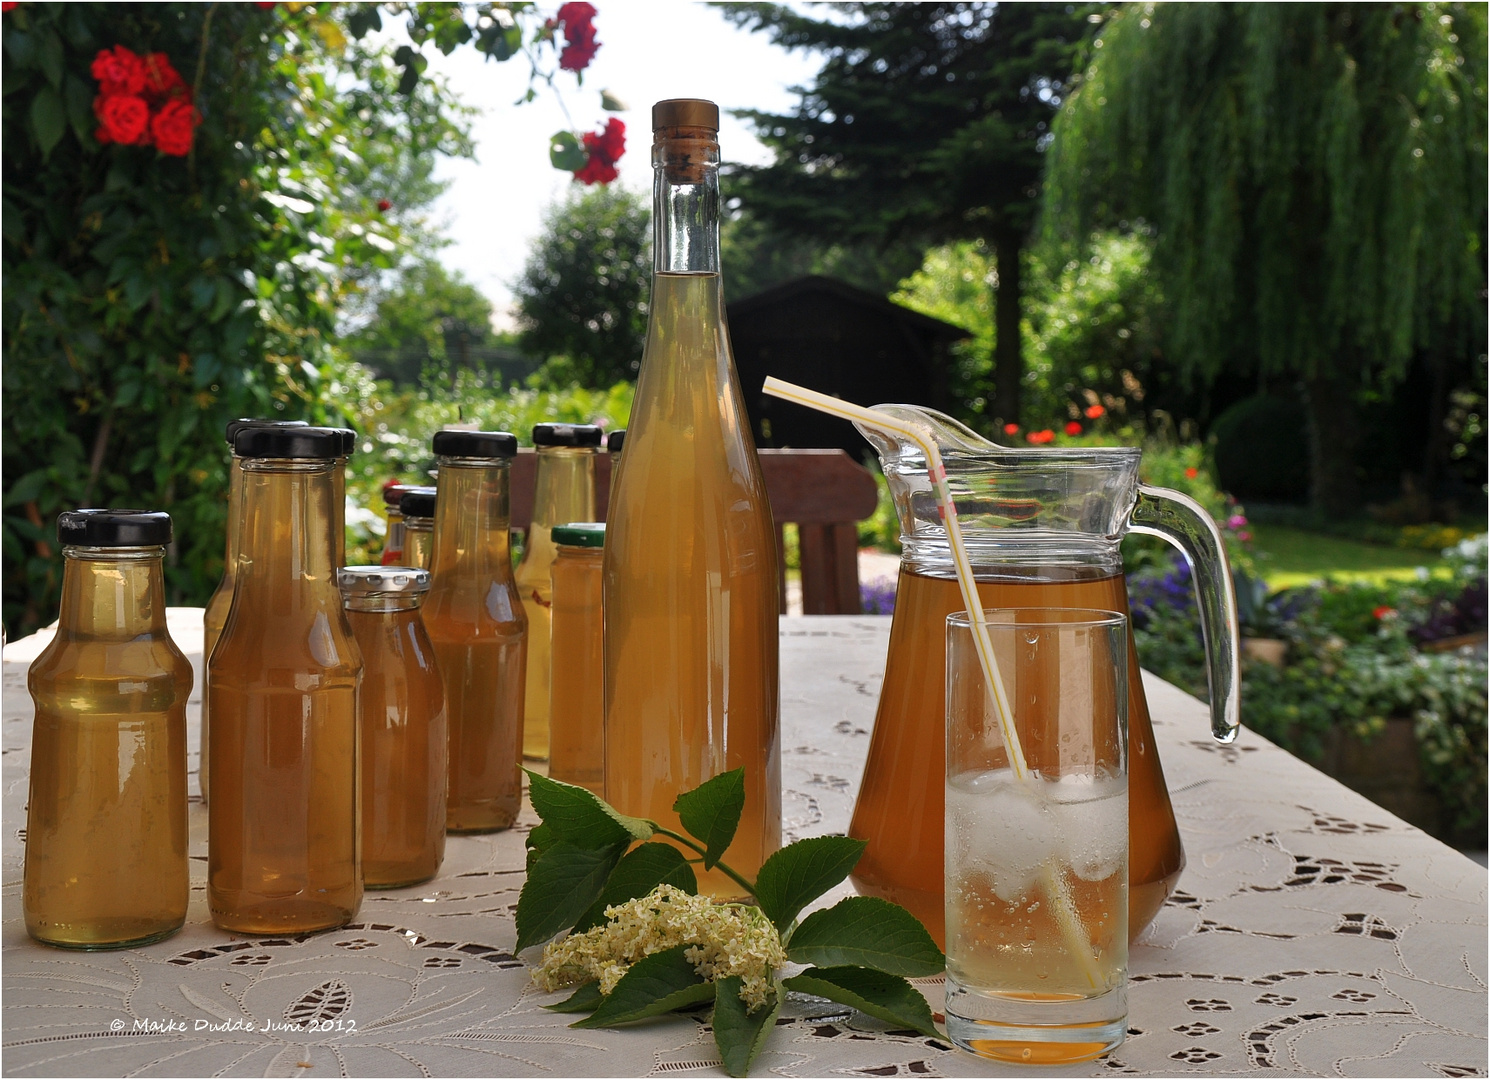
<point>1073,428</point>
<point>143,101</point>
<point>1191,473</point>
<point>577,19</point>
<point>1039,438</point>
<point>605,148</point>
<point>1093,412</point>
<point>1011,429</point>
<point>384,206</point>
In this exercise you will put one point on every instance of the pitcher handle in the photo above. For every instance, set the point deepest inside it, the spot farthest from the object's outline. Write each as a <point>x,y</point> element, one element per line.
<point>1182,521</point>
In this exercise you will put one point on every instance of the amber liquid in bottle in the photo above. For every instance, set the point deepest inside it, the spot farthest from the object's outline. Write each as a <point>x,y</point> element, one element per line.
<point>565,492</point>
<point>216,615</point>
<point>404,744</point>
<point>283,847</point>
<point>577,727</point>
<point>106,830</point>
<point>900,808</point>
<point>476,623</point>
<point>419,539</point>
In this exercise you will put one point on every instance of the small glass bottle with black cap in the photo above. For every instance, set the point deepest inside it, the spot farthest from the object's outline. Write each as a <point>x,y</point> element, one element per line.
<point>401,710</point>
<point>283,854</point>
<point>563,490</point>
<point>393,535</point>
<point>577,716</point>
<point>417,505</point>
<point>478,628</point>
<point>106,827</point>
<point>216,614</point>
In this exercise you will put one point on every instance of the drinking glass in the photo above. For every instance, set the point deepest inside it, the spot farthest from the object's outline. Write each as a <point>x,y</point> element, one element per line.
<point>1037,835</point>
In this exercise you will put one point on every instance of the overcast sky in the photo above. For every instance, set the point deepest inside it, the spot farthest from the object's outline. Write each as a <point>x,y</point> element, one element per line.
<point>650,50</point>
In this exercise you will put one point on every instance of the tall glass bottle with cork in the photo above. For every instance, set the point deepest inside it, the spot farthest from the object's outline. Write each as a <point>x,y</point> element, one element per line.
<point>563,491</point>
<point>283,851</point>
<point>690,592</point>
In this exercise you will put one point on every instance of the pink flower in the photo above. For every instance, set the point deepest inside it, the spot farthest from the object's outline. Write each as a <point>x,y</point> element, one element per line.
<point>1236,521</point>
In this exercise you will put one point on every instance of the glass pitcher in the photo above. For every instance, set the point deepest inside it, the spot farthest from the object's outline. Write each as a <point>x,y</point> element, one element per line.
<point>1042,529</point>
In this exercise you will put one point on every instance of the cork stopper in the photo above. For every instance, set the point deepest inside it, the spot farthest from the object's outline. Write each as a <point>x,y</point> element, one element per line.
<point>685,138</point>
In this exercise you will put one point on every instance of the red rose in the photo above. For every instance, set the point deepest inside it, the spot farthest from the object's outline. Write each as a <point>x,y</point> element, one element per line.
<point>384,205</point>
<point>161,79</point>
<point>1094,411</point>
<point>580,45</point>
<point>606,148</point>
<point>1073,428</point>
<point>8,5</point>
<point>1011,429</point>
<point>124,118</point>
<point>264,5</point>
<point>173,127</point>
<point>1039,437</point>
<point>118,71</point>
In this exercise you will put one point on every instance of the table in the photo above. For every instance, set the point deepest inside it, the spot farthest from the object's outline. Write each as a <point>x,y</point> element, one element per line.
<point>1312,933</point>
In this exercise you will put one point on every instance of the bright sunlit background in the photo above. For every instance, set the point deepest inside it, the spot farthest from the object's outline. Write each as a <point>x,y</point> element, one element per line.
<point>650,50</point>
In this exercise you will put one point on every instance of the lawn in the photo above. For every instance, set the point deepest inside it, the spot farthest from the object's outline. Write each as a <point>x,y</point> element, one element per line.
<point>1288,556</point>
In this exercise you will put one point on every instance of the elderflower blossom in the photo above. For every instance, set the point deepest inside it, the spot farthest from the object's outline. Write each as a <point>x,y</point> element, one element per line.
<point>727,939</point>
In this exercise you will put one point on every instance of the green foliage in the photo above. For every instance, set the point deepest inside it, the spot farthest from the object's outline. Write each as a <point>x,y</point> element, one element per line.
<point>756,256</point>
<point>1257,449</point>
<point>583,294</point>
<point>425,324</point>
<point>867,945</point>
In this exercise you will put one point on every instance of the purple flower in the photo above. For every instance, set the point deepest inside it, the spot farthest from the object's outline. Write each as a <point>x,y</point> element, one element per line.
<point>1236,521</point>
<point>877,597</point>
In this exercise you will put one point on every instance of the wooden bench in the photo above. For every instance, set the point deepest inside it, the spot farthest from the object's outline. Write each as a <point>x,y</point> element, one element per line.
<point>825,493</point>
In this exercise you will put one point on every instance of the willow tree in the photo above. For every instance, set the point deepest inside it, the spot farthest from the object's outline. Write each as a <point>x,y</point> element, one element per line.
<point>1317,177</point>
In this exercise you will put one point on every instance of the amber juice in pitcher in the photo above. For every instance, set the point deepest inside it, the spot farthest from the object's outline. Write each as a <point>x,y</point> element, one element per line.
<point>903,861</point>
<point>283,851</point>
<point>480,634</point>
<point>690,591</point>
<point>106,818</point>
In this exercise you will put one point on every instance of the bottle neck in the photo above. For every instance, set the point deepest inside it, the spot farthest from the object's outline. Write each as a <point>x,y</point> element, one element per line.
<point>685,201</point>
<point>472,518</point>
<point>112,593</point>
<point>235,516</point>
<point>287,551</point>
<point>385,604</point>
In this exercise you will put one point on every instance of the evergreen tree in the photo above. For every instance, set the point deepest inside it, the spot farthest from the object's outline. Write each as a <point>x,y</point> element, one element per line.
<point>1317,177</point>
<point>926,124</point>
<point>582,297</point>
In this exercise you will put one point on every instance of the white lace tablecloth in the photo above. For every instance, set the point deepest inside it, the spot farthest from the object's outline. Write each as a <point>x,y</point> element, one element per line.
<point>1313,933</point>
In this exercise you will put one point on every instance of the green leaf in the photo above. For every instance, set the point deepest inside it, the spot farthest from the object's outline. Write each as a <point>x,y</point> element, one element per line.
<point>655,984</point>
<point>49,56</point>
<point>885,997</point>
<point>540,836</point>
<point>711,812</point>
<point>866,931</point>
<point>48,119</point>
<point>565,152</point>
<point>563,881</point>
<point>738,1033</point>
<point>576,815</point>
<point>641,871</point>
<point>27,487</point>
<point>799,873</point>
<point>582,1000</point>
<point>611,103</point>
<point>79,109</point>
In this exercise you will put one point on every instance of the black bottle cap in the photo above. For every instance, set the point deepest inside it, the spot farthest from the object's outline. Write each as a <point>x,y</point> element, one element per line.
<point>348,441</point>
<point>615,440</point>
<point>314,443</point>
<point>235,426</point>
<point>566,435</point>
<point>417,502</point>
<point>114,528</point>
<point>475,444</point>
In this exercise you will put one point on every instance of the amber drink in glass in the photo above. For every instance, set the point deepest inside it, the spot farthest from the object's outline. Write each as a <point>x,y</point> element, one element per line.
<point>401,709</point>
<point>476,623</point>
<point>283,847</point>
<point>393,535</point>
<point>690,552</point>
<point>216,614</point>
<point>106,818</point>
<point>577,717</point>
<point>564,490</point>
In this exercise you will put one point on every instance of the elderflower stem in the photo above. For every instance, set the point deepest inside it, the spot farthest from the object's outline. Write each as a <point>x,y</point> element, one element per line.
<point>738,880</point>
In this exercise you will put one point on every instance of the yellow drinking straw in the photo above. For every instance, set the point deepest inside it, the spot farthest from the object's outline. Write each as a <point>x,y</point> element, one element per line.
<point>1065,911</point>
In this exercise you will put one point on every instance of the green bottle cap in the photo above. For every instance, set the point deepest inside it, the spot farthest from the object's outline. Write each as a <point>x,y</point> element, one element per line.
<point>587,534</point>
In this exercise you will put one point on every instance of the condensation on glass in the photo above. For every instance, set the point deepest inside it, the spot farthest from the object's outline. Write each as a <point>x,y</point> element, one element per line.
<point>106,834</point>
<point>478,628</point>
<point>283,853</point>
<point>401,711</point>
